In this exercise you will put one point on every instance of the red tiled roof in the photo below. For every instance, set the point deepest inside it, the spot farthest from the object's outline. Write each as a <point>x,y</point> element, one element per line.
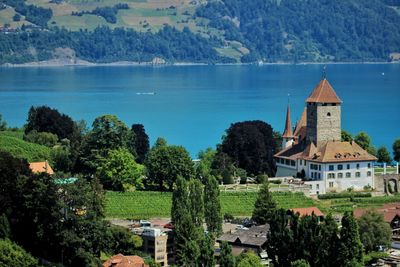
<point>288,125</point>
<point>39,167</point>
<point>307,211</point>
<point>389,211</point>
<point>331,151</point>
<point>324,93</point>
<point>120,260</point>
<point>301,127</point>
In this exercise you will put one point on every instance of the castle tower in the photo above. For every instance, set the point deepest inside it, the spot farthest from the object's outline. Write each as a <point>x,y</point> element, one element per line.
<point>287,137</point>
<point>323,114</point>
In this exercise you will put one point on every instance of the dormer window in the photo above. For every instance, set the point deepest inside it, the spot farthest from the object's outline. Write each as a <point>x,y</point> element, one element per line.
<point>328,114</point>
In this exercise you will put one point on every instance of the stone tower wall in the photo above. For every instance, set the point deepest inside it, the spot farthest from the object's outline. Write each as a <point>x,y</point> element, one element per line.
<point>328,127</point>
<point>323,123</point>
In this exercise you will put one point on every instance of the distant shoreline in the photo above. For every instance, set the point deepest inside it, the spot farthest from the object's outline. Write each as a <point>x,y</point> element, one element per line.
<point>83,63</point>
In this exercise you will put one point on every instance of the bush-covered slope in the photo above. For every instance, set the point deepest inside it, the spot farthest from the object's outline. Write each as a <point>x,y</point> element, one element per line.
<point>13,143</point>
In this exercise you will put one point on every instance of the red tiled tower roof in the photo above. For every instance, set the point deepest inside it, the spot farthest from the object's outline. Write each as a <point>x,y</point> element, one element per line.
<point>287,133</point>
<point>324,93</point>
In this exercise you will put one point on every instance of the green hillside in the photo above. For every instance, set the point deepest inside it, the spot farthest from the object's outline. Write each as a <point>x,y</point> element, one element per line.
<point>12,142</point>
<point>235,30</point>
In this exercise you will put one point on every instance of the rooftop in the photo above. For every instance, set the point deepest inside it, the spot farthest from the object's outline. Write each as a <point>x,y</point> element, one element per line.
<point>307,211</point>
<point>39,167</point>
<point>324,93</point>
<point>120,260</point>
<point>331,151</point>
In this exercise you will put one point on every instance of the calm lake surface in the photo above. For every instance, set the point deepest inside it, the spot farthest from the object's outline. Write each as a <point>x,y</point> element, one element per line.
<point>193,105</point>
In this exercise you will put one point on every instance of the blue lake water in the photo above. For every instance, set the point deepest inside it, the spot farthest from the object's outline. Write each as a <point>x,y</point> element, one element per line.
<point>193,105</point>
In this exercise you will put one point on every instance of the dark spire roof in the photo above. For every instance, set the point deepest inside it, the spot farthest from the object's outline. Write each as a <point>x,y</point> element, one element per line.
<point>287,133</point>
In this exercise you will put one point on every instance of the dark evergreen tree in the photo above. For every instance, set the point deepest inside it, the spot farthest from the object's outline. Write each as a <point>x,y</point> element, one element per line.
<point>265,206</point>
<point>141,142</point>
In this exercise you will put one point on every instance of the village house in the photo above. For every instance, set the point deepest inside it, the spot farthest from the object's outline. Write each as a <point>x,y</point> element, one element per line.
<point>313,150</point>
<point>302,212</point>
<point>120,260</point>
<point>40,167</point>
<point>251,239</point>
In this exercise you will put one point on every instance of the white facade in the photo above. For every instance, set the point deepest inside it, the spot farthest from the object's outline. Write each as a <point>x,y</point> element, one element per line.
<point>330,177</point>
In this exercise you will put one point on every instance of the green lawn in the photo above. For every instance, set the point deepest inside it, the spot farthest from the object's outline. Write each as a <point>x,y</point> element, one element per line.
<point>12,142</point>
<point>147,204</point>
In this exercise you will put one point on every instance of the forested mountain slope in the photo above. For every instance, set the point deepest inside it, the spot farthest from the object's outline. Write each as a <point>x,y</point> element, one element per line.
<point>213,31</point>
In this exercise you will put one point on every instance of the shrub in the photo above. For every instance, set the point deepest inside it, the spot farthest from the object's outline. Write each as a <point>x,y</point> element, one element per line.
<point>345,195</point>
<point>41,138</point>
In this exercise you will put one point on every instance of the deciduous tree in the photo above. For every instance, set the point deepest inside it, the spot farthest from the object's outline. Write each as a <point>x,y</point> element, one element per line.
<point>119,171</point>
<point>251,145</point>
<point>396,150</point>
<point>165,163</point>
<point>346,136</point>
<point>374,231</point>
<point>383,155</point>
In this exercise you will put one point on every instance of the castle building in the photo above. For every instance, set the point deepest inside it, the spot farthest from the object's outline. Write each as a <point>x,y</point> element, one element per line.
<point>314,151</point>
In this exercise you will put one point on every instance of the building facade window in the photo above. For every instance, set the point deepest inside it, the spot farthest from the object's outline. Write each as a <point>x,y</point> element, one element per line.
<point>369,165</point>
<point>331,167</point>
<point>358,174</point>
<point>348,174</point>
<point>319,176</point>
<point>340,175</point>
<point>369,173</point>
<point>317,186</point>
<point>348,166</point>
<point>358,166</point>
<point>319,167</point>
<point>331,184</point>
<point>340,167</point>
<point>331,175</point>
<point>293,163</point>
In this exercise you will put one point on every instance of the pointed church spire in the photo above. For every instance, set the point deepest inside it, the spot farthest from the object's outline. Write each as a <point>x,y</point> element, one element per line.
<point>288,125</point>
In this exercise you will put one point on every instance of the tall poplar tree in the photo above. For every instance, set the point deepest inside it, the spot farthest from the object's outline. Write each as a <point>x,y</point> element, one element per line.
<point>226,258</point>
<point>212,206</point>
<point>329,243</point>
<point>350,252</point>
<point>187,215</point>
<point>264,206</point>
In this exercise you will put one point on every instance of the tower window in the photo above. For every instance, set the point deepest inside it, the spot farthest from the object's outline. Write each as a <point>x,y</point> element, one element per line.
<point>328,114</point>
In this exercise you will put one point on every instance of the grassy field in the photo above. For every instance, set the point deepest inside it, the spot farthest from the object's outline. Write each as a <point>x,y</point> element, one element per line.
<point>146,204</point>
<point>12,142</point>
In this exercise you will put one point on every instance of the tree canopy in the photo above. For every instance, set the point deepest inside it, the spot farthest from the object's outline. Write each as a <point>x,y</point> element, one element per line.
<point>383,155</point>
<point>374,231</point>
<point>165,163</point>
<point>119,171</point>
<point>45,119</point>
<point>251,145</point>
